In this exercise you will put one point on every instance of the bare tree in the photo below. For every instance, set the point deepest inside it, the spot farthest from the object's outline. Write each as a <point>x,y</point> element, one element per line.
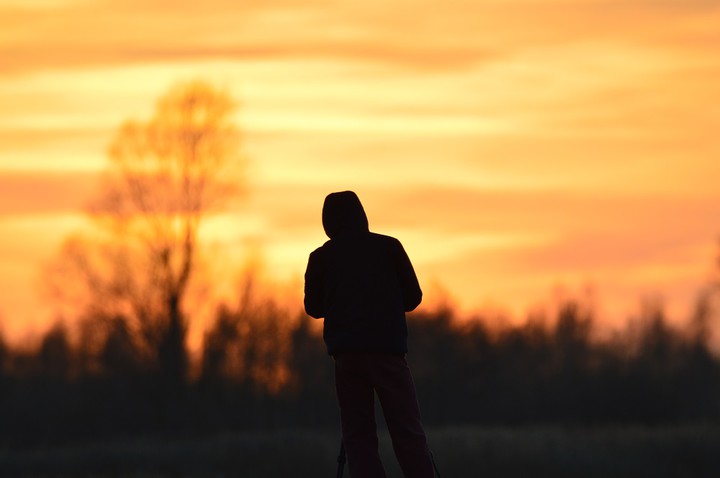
<point>165,176</point>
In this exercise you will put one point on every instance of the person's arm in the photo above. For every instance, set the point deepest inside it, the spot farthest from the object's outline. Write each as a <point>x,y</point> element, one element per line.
<point>412,294</point>
<point>315,286</point>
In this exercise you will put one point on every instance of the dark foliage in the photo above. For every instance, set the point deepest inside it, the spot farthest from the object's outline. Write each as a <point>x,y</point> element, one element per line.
<point>263,368</point>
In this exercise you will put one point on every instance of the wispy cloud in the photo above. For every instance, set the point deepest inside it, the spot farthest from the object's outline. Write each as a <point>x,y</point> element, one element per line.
<point>426,35</point>
<point>39,193</point>
<point>545,140</point>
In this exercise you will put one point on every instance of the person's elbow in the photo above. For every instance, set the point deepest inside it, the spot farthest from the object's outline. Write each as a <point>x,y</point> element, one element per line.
<point>314,310</point>
<point>412,301</point>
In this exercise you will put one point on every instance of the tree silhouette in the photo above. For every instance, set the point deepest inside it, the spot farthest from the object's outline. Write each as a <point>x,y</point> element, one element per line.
<point>250,343</point>
<point>55,353</point>
<point>165,176</point>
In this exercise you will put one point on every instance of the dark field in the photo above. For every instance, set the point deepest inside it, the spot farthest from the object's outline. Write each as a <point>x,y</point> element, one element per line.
<point>677,451</point>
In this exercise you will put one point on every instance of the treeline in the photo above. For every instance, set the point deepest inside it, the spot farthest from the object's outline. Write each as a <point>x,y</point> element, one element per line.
<point>264,367</point>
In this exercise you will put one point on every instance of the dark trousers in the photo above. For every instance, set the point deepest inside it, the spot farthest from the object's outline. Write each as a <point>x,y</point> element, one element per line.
<point>357,377</point>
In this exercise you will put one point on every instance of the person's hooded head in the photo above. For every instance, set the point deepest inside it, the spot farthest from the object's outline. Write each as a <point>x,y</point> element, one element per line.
<point>342,213</point>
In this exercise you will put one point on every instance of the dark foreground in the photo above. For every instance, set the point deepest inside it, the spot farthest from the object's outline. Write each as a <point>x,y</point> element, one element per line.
<point>677,451</point>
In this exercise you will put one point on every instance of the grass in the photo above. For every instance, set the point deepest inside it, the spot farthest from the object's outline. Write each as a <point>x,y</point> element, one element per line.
<point>617,452</point>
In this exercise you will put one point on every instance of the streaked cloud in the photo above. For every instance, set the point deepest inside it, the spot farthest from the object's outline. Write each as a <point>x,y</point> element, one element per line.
<point>511,144</point>
<point>33,193</point>
<point>421,34</point>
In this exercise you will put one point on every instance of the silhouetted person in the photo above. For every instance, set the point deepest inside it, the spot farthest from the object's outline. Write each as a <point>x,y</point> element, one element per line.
<point>362,283</point>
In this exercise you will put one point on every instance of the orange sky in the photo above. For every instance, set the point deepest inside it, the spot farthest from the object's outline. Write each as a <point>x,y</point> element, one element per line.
<point>512,146</point>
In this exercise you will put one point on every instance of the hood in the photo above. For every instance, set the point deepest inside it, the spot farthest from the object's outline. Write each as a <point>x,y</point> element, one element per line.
<point>343,212</point>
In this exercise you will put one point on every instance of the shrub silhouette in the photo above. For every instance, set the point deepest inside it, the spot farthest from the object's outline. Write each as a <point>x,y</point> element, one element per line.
<point>263,366</point>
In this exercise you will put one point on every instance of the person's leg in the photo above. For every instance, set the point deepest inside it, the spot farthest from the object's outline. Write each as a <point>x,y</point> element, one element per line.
<point>356,399</point>
<point>396,391</point>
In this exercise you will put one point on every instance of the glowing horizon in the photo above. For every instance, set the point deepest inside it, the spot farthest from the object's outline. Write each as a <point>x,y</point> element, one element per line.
<point>511,146</point>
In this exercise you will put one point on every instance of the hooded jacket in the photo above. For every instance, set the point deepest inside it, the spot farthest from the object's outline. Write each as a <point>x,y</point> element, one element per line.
<point>361,282</point>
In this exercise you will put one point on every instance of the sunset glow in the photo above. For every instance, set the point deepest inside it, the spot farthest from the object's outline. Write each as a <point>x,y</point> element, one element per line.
<point>513,146</point>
